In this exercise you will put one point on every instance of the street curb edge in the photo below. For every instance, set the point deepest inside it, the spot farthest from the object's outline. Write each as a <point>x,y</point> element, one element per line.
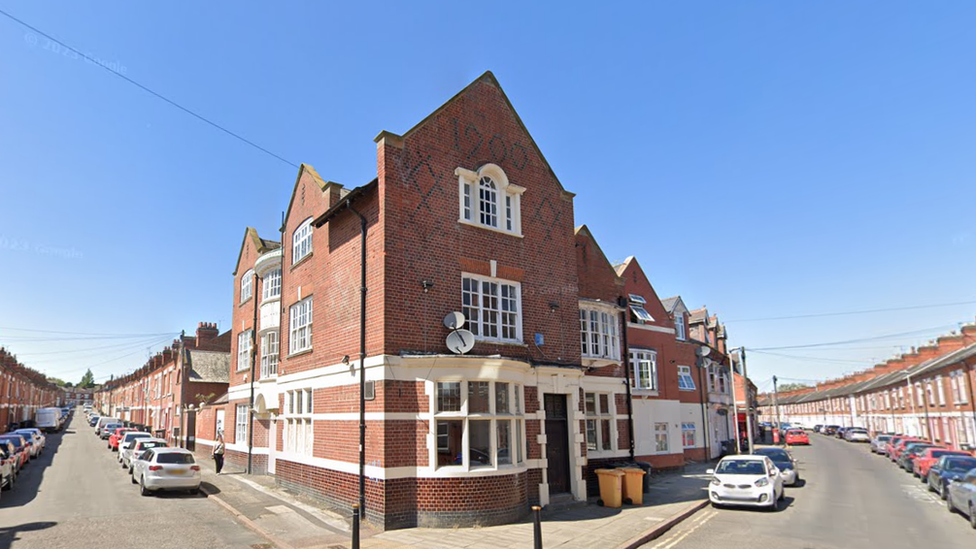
<point>246,521</point>
<point>660,529</point>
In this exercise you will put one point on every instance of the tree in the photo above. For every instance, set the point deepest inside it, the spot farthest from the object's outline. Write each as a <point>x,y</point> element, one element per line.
<point>792,387</point>
<point>56,381</point>
<point>87,380</point>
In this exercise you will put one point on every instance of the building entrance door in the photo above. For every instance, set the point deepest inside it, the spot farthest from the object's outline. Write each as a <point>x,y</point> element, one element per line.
<point>557,443</point>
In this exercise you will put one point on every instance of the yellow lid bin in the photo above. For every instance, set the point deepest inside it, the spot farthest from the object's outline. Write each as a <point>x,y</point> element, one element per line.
<point>634,485</point>
<point>611,486</point>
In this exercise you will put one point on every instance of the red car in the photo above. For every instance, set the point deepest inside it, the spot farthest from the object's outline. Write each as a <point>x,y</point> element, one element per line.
<point>925,460</point>
<point>797,436</point>
<point>20,447</point>
<point>113,440</point>
<point>897,448</point>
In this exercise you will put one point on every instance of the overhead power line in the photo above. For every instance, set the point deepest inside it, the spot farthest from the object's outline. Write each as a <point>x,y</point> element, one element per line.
<point>859,340</point>
<point>858,312</point>
<point>813,358</point>
<point>76,333</point>
<point>151,92</point>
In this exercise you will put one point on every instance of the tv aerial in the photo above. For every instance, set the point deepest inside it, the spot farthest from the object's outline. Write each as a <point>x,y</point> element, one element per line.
<point>459,341</point>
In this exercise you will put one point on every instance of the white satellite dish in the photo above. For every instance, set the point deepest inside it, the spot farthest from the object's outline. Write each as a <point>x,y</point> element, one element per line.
<point>454,321</point>
<point>460,341</point>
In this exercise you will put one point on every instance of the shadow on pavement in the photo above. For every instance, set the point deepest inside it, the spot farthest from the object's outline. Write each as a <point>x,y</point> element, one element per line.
<point>8,535</point>
<point>209,488</point>
<point>29,479</point>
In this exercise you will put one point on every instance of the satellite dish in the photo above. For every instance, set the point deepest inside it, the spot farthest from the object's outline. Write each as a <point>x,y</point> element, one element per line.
<point>703,350</point>
<point>454,321</point>
<point>460,341</point>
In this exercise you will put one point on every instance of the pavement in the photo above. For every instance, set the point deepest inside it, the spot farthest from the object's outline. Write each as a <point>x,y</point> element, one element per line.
<point>289,522</point>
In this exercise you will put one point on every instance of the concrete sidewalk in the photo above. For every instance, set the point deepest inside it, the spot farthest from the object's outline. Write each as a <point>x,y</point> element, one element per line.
<point>289,522</point>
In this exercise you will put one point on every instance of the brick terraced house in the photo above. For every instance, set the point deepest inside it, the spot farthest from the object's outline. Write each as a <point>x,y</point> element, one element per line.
<point>22,391</point>
<point>928,392</point>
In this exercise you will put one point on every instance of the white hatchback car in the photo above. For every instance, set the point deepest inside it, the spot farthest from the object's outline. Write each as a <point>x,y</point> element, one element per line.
<point>749,480</point>
<point>128,440</point>
<point>166,469</point>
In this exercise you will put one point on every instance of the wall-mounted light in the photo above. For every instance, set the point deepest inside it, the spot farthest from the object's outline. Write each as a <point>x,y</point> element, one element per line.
<point>553,306</point>
<point>427,284</point>
<point>345,360</point>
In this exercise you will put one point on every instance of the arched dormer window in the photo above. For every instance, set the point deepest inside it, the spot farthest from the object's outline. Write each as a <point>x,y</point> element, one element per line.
<point>301,241</point>
<point>487,199</point>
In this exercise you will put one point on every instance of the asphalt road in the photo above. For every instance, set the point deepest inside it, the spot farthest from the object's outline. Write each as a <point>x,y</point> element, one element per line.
<point>851,499</point>
<point>76,495</point>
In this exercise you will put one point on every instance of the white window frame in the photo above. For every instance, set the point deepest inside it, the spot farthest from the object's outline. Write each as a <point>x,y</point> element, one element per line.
<point>479,325</point>
<point>300,326</point>
<point>247,285</point>
<point>641,359</point>
<point>296,415</point>
<point>679,326</point>
<point>244,350</point>
<point>689,427</point>
<point>599,333</point>
<point>270,348</point>
<point>940,390</point>
<point>271,284</point>
<point>602,420</point>
<point>514,393</point>
<point>661,430</point>
<point>636,304</point>
<point>502,214</point>
<point>240,424</point>
<point>685,378</point>
<point>301,241</point>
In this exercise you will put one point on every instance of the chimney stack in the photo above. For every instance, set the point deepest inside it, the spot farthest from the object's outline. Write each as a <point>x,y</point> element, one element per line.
<point>206,331</point>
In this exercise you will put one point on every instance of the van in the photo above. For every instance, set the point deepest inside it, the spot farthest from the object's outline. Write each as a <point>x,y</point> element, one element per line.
<point>103,421</point>
<point>48,419</point>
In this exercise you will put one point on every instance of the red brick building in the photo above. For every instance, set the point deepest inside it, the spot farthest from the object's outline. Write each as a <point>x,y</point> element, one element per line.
<point>22,391</point>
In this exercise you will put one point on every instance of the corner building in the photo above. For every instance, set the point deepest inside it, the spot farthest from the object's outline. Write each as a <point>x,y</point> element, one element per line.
<point>465,215</point>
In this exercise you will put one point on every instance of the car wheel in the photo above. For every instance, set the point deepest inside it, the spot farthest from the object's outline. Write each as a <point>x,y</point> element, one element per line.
<point>944,493</point>
<point>132,477</point>
<point>928,484</point>
<point>142,487</point>
<point>948,500</point>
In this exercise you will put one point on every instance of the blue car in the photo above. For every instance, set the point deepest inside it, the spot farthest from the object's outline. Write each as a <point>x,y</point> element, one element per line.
<point>946,470</point>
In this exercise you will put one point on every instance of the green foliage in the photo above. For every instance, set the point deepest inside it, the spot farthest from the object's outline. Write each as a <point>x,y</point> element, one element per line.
<point>792,387</point>
<point>87,380</point>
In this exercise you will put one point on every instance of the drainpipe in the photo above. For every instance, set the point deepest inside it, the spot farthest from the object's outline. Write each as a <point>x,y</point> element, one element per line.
<point>625,360</point>
<point>254,354</point>
<point>701,392</point>
<point>362,362</point>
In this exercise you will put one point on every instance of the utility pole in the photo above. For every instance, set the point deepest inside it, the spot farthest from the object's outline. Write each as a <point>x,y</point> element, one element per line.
<point>776,428</point>
<point>745,379</point>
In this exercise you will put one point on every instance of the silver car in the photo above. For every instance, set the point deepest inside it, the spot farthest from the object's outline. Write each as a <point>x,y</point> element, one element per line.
<point>879,444</point>
<point>857,434</point>
<point>166,469</point>
<point>36,438</point>
<point>128,439</point>
<point>962,496</point>
<point>139,446</point>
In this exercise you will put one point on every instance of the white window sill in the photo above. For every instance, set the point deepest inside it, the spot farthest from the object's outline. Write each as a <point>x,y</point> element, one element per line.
<point>300,353</point>
<point>644,392</point>
<point>500,341</point>
<point>489,228</point>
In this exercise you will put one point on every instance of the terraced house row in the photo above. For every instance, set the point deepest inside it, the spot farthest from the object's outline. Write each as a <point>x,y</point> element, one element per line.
<point>23,390</point>
<point>565,362</point>
<point>927,392</point>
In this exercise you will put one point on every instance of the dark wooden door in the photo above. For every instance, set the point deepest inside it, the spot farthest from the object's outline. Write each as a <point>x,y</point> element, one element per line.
<point>191,430</point>
<point>557,443</point>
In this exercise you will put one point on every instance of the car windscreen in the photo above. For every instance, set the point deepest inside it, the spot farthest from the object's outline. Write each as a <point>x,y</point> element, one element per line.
<point>174,458</point>
<point>961,465</point>
<point>152,444</point>
<point>884,438</point>
<point>940,453</point>
<point>774,454</point>
<point>18,442</point>
<point>741,467</point>
<point>129,437</point>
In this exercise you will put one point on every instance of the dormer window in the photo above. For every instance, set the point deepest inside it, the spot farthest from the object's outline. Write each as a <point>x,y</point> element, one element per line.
<point>679,325</point>
<point>488,200</point>
<point>637,307</point>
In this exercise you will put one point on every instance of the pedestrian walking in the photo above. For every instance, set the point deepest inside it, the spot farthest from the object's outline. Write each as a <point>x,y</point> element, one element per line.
<point>218,453</point>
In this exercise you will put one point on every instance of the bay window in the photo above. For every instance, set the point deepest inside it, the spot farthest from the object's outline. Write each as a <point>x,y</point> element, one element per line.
<point>644,364</point>
<point>478,424</point>
<point>598,333</point>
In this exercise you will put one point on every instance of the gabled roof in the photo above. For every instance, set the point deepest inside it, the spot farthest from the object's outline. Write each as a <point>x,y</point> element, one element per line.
<point>260,244</point>
<point>670,304</point>
<point>486,78</point>
<point>622,266</point>
<point>585,231</point>
<point>698,315</point>
<point>303,169</point>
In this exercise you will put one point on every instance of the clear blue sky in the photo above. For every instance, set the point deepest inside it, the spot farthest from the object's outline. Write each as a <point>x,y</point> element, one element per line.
<point>762,158</point>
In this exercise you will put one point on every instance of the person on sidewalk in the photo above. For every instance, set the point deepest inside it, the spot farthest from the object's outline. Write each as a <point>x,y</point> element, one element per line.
<point>218,453</point>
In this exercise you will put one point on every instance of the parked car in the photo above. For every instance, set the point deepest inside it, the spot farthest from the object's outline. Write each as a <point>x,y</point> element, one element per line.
<point>103,421</point>
<point>962,496</point>
<point>116,436</point>
<point>37,438</point>
<point>93,419</point>
<point>166,469</point>
<point>946,470</point>
<point>841,431</point>
<point>796,436</point>
<point>747,480</point>
<point>857,434</point>
<point>829,430</point>
<point>880,443</point>
<point>128,439</point>
<point>10,450</point>
<point>906,460</point>
<point>137,447</point>
<point>817,428</point>
<point>108,429</point>
<point>927,458</point>
<point>898,445</point>
<point>784,461</point>
<point>20,447</point>
<point>8,466</point>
